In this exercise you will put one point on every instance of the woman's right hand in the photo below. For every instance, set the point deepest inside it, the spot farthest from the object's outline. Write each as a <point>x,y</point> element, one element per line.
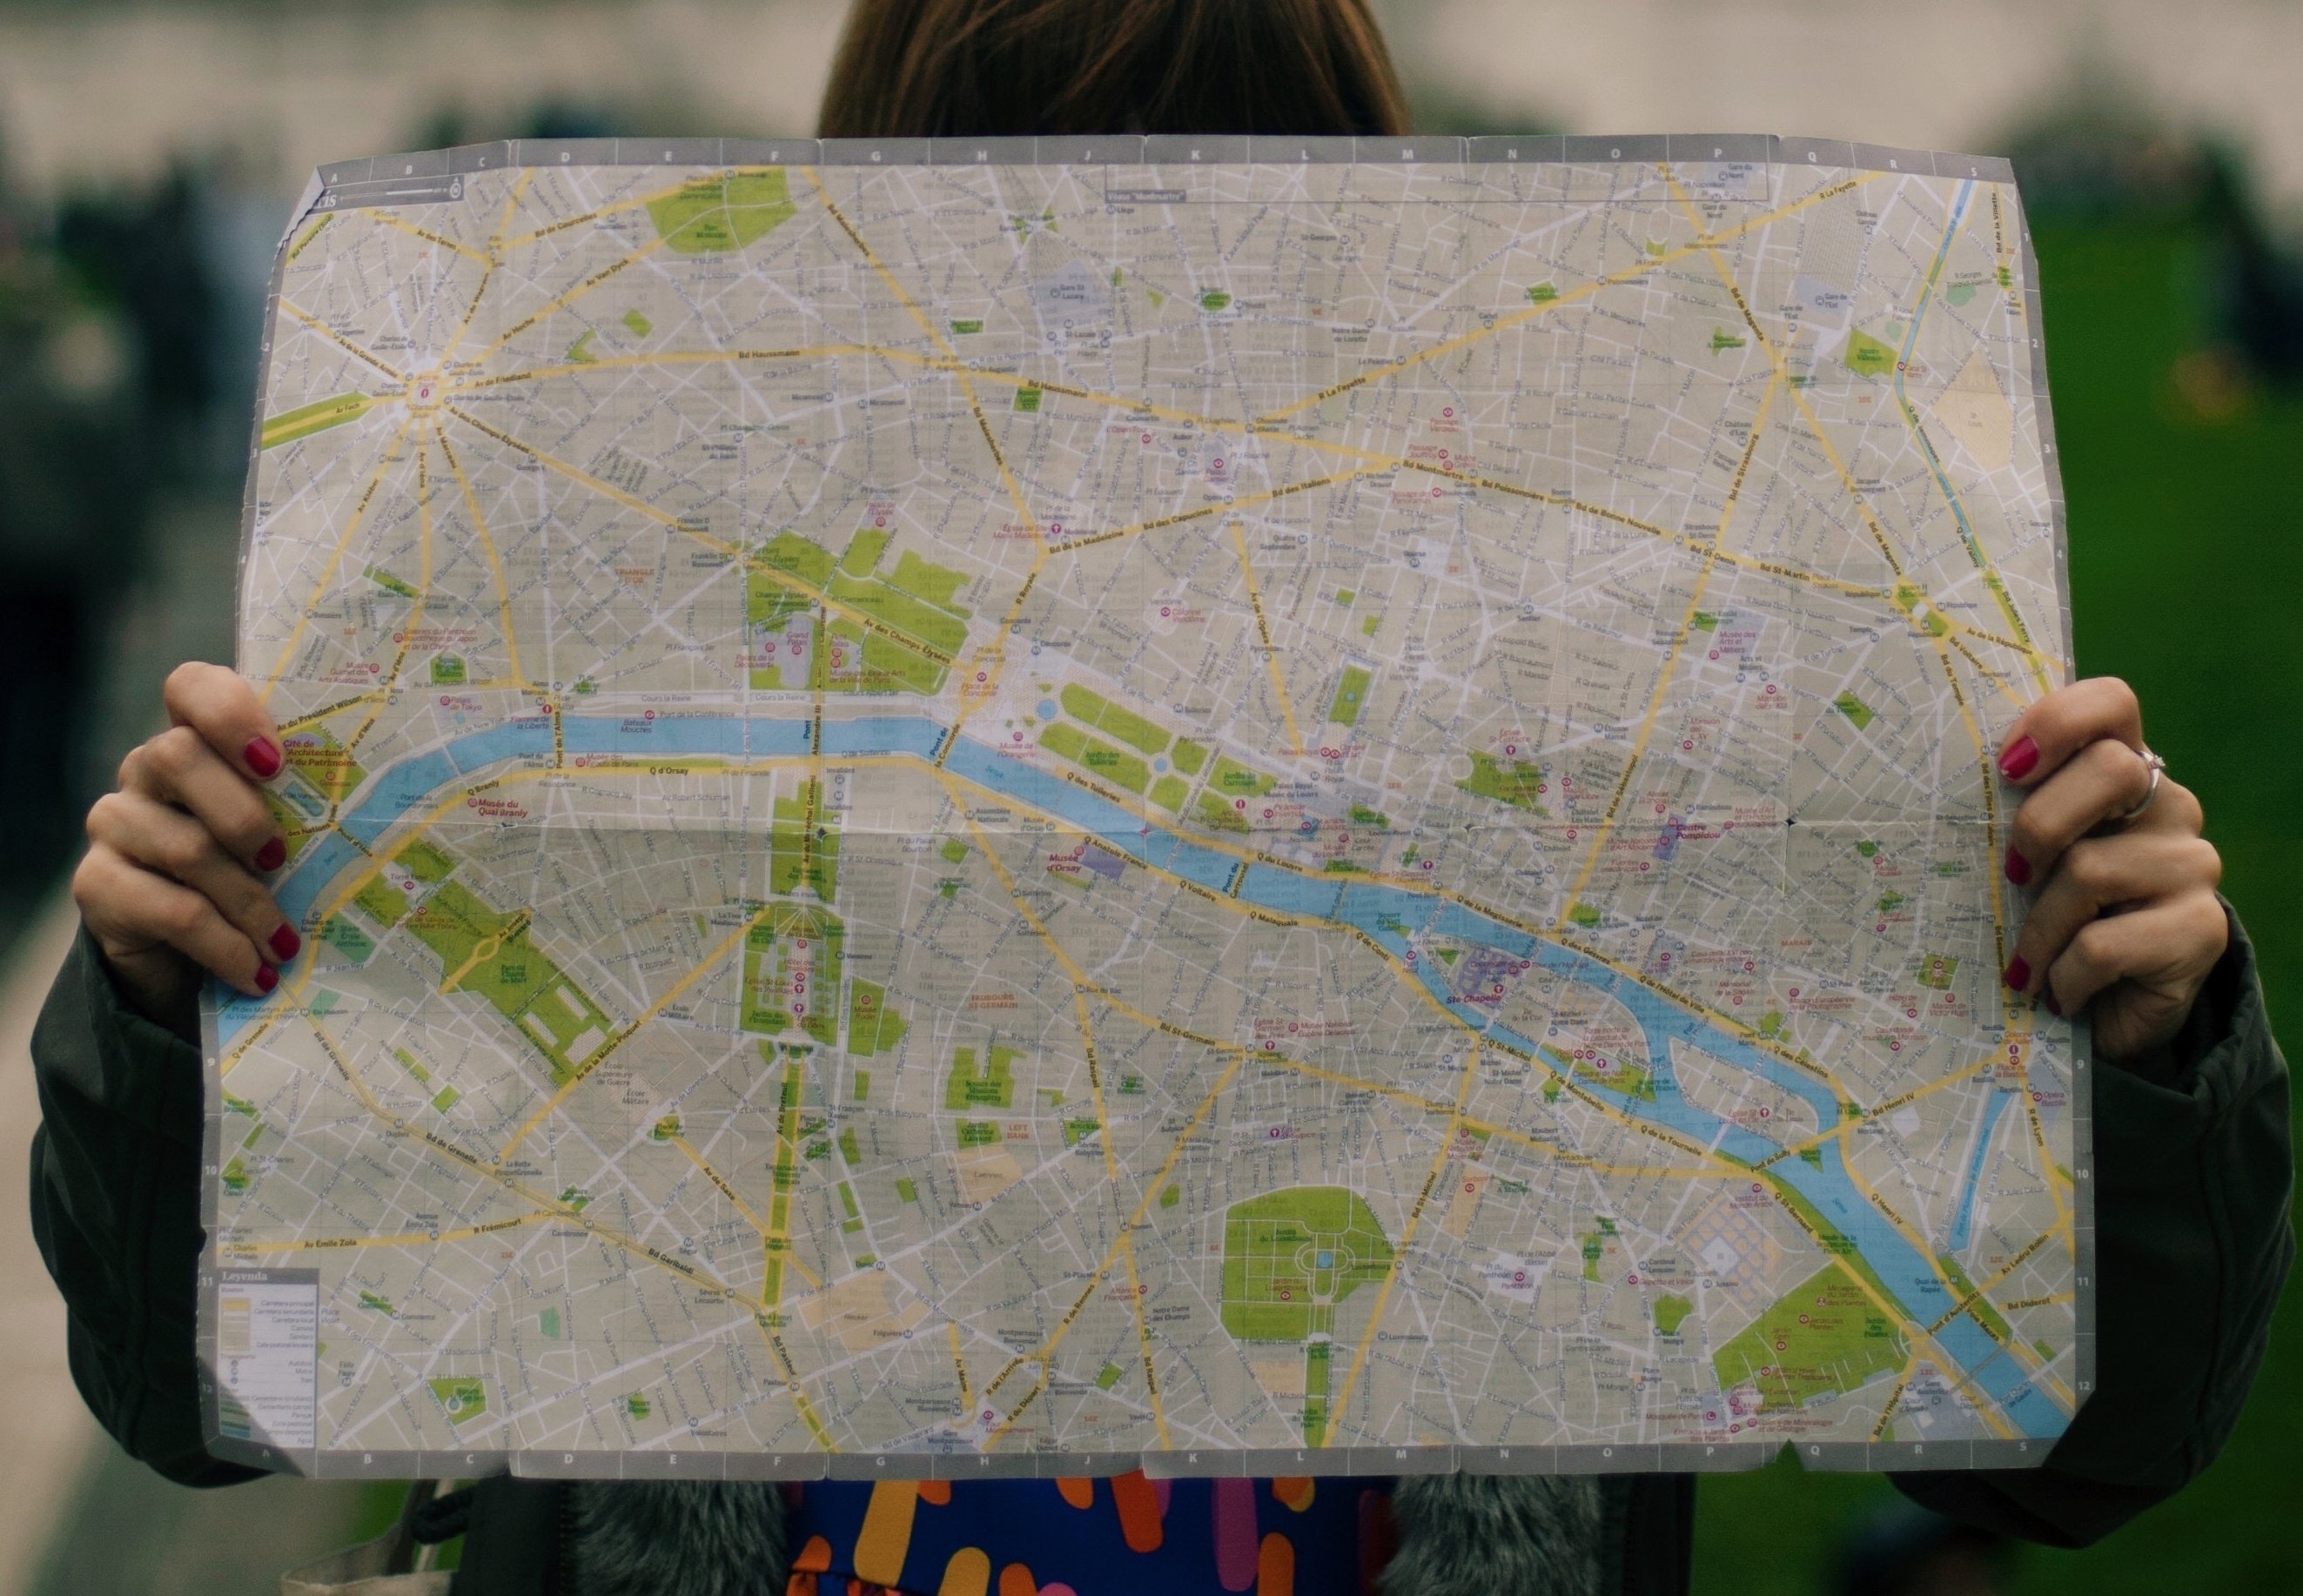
<point>172,884</point>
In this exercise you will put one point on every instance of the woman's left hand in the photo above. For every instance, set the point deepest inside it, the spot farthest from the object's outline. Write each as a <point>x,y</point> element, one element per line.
<point>2124,921</point>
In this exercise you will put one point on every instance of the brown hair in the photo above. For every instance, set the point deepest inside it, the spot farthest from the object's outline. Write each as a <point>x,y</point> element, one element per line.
<point>980,68</point>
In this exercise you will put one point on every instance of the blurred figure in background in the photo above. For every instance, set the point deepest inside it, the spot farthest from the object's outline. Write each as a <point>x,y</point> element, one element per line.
<point>2252,289</point>
<point>1906,1551</point>
<point>103,366</point>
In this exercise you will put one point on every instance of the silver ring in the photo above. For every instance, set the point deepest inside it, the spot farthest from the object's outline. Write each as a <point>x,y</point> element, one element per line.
<point>2154,765</point>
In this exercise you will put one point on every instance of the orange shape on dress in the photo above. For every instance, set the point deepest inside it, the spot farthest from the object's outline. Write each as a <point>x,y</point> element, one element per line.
<point>969,1574</point>
<point>887,1532</point>
<point>1139,1511</point>
<point>1293,1492</point>
<point>1275,1567</point>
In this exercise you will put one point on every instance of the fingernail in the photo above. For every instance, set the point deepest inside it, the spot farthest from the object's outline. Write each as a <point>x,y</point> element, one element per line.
<point>2016,763</point>
<point>2019,974</point>
<point>266,977</point>
<point>272,855</point>
<point>285,944</point>
<point>264,759</point>
<point>2019,868</point>
<point>2054,1007</point>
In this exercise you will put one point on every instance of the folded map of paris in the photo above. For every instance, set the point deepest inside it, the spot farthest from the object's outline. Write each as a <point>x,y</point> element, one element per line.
<point>1227,805</point>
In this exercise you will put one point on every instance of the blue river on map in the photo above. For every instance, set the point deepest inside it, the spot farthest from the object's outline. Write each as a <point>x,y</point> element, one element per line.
<point>1392,917</point>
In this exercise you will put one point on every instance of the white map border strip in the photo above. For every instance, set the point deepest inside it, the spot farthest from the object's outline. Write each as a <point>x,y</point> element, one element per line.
<point>433,176</point>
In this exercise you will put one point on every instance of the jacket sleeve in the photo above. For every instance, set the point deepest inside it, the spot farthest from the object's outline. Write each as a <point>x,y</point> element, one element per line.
<point>116,1210</point>
<point>2193,1177</point>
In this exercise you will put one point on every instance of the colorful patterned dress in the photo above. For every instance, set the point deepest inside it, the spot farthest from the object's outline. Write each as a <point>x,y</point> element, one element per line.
<point>1126,1536</point>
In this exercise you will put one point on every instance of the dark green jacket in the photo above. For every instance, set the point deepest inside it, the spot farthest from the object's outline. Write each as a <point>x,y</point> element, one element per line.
<point>2192,1167</point>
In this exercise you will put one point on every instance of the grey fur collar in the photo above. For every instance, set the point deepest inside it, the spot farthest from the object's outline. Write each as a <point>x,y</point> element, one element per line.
<point>678,1539</point>
<point>1458,1535</point>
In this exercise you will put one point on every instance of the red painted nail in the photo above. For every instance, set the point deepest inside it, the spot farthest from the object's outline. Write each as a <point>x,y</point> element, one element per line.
<point>272,855</point>
<point>2019,868</point>
<point>2019,974</point>
<point>266,977</point>
<point>2054,1007</point>
<point>2016,763</point>
<point>262,757</point>
<point>285,944</point>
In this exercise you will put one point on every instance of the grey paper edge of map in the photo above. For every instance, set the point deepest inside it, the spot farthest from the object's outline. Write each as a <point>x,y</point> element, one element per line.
<point>212,1109</point>
<point>426,177</point>
<point>2083,1055</point>
<point>1834,1456</point>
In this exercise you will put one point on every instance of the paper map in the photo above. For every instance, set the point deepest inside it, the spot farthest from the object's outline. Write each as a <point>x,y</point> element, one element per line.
<point>1222,805</point>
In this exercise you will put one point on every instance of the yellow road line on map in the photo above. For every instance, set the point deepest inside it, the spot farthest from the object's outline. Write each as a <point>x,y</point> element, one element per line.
<point>553,1208</point>
<point>489,261</point>
<point>720,174</point>
<point>510,209</point>
<point>993,655</point>
<point>485,949</point>
<point>728,1191</point>
<point>1992,580</point>
<point>2053,1297</point>
<point>328,572</point>
<point>1082,984</point>
<point>791,1384</point>
<point>1879,1430</point>
<point>1846,1127</point>
<point>1150,1188</point>
<point>338,340</point>
<point>1504,323</point>
<point>737,551</point>
<point>1686,629</point>
<point>405,1239</point>
<point>1709,243</point>
<point>564,301</point>
<point>2015,1008</point>
<point>2048,1170</point>
<point>1581,1162</point>
<point>495,562</point>
<point>385,218</point>
<point>636,1249</point>
<point>494,259</point>
<point>735,356</point>
<point>416,611</point>
<point>732,940</point>
<point>1998,682</point>
<point>1406,1237</point>
<point>1221,507</point>
<point>314,717</point>
<point>1111,1174</point>
<point>1374,460</point>
<point>1985,1405</point>
<point>959,1363</point>
<point>1270,651</point>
